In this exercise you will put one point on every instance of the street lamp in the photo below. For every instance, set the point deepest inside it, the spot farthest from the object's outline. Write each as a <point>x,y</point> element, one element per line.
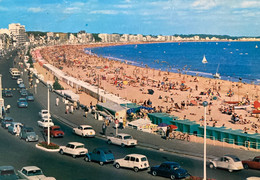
<point>48,90</point>
<point>205,104</point>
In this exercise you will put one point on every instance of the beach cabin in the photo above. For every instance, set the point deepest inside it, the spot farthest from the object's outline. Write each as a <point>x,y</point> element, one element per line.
<point>114,109</point>
<point>186,126</point>
<point>158,118</point>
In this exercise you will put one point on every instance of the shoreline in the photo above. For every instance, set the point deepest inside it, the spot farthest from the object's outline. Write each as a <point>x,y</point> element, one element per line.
<point>136,90</point>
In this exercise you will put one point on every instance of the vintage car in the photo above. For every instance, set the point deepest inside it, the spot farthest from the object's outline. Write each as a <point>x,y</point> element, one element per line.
<point>133,161</point>
<point>21,86</point>
<point>30,97</point>
<point>7,173</point>
<point>252,163</point>
<point>229,162</point>
<point>171,170</point>
<point>19,81</point>
<point>84,130</point>
<point>44,113</point>
<point>45,123</point>
<point>22,103</point>
<point>55,131</point>
<point>28,134</point>
<point>33,173</point>
<point>6,122</point>
<point>7,93</point>
<point>122,140</point>
<point>101,155</point>
<point>15,127</point>
<point>23,92</point>
<point>73,148</point>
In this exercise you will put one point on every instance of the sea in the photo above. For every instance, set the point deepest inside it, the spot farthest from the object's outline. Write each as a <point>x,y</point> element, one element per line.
<point>234,61</point>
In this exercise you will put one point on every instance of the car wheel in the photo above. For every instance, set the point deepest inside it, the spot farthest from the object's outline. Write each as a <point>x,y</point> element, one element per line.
<point>246,166</point>
<point>172,177</point>
<point>154,173</point>
<point>211,166</point>
<point>61,151</point>
<point>122,145</point>
<point>87,159</point>
<point>230,170</point>
<point>74,156</point>
<point>109,142</point>
<point>117,165</point>
<point>101,163</point>
<point>136,169</point>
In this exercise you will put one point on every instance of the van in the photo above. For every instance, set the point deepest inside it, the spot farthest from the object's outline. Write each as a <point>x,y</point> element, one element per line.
<point>15,73</point>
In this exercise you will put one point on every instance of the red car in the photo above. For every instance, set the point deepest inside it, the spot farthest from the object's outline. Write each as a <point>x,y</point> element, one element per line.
<point>253,164</point>
<point>55,131</point>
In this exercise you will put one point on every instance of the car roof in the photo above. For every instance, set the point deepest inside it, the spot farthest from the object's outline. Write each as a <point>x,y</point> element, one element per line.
<point>171,163</point>
<point>231,156</point>
<point>4,168</point>
<point>30,168</point>
<point>85,126</point>
<point>123,134</point>
<point>136,155</point>
<point>21,99</point>
<point>76,143</point>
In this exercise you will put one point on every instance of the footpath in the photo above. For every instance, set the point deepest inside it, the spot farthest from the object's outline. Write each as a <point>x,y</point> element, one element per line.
<point>146,140</point>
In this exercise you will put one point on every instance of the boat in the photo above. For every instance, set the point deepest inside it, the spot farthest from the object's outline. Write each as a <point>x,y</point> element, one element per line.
<point>204,60</point>
<point>256,46</point>
<point>217,75</point>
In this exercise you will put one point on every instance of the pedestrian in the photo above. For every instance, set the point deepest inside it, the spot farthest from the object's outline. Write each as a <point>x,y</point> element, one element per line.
<point>8,107</point>
<point>67,109</point>
<point>167,132</point>
<point>57,101</point>
<point>71,109</point>
<point>104,128</point>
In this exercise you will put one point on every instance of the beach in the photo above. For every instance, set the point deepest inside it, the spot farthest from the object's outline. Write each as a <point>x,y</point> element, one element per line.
<point>174,93</point>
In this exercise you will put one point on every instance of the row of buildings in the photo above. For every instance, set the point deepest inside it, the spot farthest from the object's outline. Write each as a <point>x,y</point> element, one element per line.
<point>16,36</point>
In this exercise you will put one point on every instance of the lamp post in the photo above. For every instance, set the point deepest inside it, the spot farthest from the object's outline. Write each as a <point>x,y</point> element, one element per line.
<point>205,104</point>
<point>48,89</point>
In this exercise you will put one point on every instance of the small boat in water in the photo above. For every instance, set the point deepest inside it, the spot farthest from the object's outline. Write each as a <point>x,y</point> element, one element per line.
<point>256,46</point>
<point>204,60</point>
<point>217,75</point>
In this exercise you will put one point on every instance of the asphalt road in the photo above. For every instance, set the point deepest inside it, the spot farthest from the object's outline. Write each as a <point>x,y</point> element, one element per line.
<point>19,153</point>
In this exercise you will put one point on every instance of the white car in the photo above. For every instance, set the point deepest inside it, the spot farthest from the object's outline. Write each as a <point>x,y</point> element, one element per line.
<point>229,162</point>
<point>33,173</point>
<point>74,148</point>
<point>44,123</point>
<point>84,130</point>
<point>44,113</point>
<point>122,140</point>
<point>133,161</point>
<point>19,80</point>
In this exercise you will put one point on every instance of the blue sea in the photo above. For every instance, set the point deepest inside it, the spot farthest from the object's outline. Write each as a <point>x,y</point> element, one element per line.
<point>234,61</point>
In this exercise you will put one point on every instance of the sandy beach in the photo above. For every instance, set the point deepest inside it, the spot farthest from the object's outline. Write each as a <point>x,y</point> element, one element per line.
<point>177,94</point>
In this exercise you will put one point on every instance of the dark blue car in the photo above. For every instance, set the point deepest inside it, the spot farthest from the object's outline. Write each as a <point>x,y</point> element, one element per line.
<point>22,103</point>
<point>101,155</point>
<point>30,97</point>
<point>7,122</point>
<point>171,170</point>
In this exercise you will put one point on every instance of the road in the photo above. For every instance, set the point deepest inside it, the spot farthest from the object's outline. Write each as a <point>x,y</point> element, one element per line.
<point>19,153</point>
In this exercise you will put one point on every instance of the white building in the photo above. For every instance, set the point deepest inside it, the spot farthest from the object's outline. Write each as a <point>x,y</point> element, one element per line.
<point>18,34</point>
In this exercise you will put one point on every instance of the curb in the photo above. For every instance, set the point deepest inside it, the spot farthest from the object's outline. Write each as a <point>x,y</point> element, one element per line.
<point>47,150</point>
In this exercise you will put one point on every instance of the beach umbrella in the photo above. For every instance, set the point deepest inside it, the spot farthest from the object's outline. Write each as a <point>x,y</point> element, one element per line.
<point>173,127</point>
<point>162,125</point>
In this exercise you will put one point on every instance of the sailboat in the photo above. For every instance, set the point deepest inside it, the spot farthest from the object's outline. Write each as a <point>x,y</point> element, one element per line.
<point>204,60</point>
<point>256,46</point>
<point>217,75</point>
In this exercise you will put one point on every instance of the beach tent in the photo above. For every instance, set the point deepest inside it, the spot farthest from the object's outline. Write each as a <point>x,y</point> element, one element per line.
<point>116,110</point>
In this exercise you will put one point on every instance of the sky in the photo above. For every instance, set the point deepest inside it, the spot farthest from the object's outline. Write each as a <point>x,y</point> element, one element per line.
<point>148,17</point>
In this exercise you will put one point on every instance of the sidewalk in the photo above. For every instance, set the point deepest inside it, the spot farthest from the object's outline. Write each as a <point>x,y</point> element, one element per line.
<point>144,139</point>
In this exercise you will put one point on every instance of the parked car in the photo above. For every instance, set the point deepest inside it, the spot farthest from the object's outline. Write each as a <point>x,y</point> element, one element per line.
<point>30,97</point>
<point>7,173</point>
<point>101,155</point>
<point>15,127</point>
<point>133,161</point>
<point>28,134</point>
<point>22,103</point>
<point>171,170</point>
<point>23,92</point>
<point>55,131</point>
<point>6,122</point>
<point>229,162</point>
<point>122,140</point>
<point>252,163</point>
<point>21,86</point>
<point>32,173</point>
<point>7,93</point>
<point>45,122</point>
<point>44,113</point>
<point>84,130</point>
<point>73,148</point>
<point>19,81</point>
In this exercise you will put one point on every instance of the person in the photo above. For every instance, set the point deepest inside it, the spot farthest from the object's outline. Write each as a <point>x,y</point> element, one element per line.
<point>167,132</point>
<point>8,108</point>
<point>71,109</point>
<point>57,101</point>
<point>67,109</point>
<point>104,128</point>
